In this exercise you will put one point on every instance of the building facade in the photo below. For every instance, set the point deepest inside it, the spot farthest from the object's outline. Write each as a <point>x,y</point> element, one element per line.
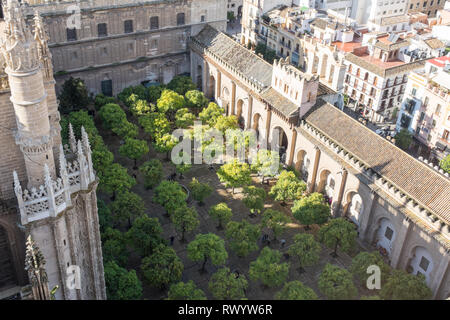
<point>429,7</point>
<point>48,192</point>
<point>368,179</point>
<point>116,44</point>
<point>425,109</point>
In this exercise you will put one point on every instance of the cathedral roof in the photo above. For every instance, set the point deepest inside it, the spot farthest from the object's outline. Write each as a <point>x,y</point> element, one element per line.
<point>414,178</point>
<point>279,102</point>
<point>233,53</point>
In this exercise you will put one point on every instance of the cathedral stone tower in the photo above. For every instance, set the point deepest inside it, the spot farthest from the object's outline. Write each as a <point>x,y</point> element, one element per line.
<point>59,206</point>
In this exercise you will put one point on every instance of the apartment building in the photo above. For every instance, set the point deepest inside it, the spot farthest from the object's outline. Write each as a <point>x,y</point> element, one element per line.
<point>425,109</point>
<point>429,7</point>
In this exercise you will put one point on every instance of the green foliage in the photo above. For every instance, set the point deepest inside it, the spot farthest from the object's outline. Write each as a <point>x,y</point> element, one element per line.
<point>363,260</point>
<point>165,144</point>
<point>112,115</point>
<point>296,290</point>
<point>288,187</point>
<point>243,237</point>
<point>114,246</point>
<point>211,113</point>
<point>74,96</point>
<point>134,149</point>
<point>127,206</point>
<point>403,286</point>
<point>170,102</point>
<point>305,249</point>
<point>195,99</point>
<point>156,124</point>
<point>183,118</point>
<point>185,291</point>
<point>266,164</point>
<point>224,123</point>
<point>230,16</point>
<point>275,221</point>
<point>140,107</point>
<point>153,172</point>
<point>170,195</point>
<point>207,246</point>
<point>121,284</point>
<point>154,93</point>
<point>254,198</point>
<point>102,158</point>
<point>221,212</point>
<point>101,100</point>
<point>185,219</point>
<point>268,54</point>
<point>139,91</point>
<point>336,283</point>
<point>311,210</point>
<point>78,119</point>
<point>199,190</point>
<point>115,178</point>
<point>403,139</point>
<point>105,219</point>
<point>374,297</point>
<point>145,235</point>
<point>234,174</point>
<point>162,267</point>
<point>338,233</point>
<point>181,85</point>
<point>445,164</point>
<point>224,285</point>
<point>126,129</point>
<point>269,269</point>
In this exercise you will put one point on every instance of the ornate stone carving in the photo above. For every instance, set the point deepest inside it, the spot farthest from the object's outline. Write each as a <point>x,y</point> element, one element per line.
<point>35,265</point>
<point>19,49</point>
<point>41,37</point>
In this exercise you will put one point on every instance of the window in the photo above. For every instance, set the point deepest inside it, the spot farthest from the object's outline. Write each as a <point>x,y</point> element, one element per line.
<point>107,87</point>
<point>180,19</point>
<point>389,233</point>
<point>438,110</point>
<point>128,26</point>
<point>154,44</point>
<point>424,264</point>
<point>445,135</point>
<point>71,34</point>
<point>102,30</point>
<point>202,18</point>
<point>350,69</point>
<point>375,81</point>
<point>154,23</point>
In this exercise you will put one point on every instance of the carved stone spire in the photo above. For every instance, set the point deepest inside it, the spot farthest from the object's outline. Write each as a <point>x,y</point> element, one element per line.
<point>35,265</point>
<point>41,37</point>
<point>19,48</point>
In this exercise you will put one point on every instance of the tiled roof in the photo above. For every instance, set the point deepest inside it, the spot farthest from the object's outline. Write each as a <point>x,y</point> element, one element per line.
<point>394,20</point>
<point>417,180</point>
<point>435,43</point>
<point>391,46</point>
<point>279,102</point>
<point>235,54</point>
<point>384,72</point>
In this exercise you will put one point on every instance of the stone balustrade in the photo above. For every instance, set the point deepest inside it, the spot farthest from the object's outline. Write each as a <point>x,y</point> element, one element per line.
<point>54,196</point>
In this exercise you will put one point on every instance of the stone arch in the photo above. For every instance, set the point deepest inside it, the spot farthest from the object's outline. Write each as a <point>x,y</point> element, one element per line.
<point>8,272</point>
<point>354,206</point>
<point>257,125</point>
<point>239,107</point>
<point>384,235</point>
<point>280,142</point>
<point>327,184</point>
<point>303,163</point>
<point>315,66</point>
<point>421,262</point>
<point>211,92</point>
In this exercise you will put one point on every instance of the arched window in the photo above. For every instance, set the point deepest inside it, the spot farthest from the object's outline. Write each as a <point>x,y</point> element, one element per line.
<point>375,81</point>
<point>180,18</point>
<point>350,68</point>
<point>356,208</point>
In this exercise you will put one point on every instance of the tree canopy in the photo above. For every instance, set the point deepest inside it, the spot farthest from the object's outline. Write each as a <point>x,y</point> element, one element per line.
<point>185,219</point>
<point>243,237</point>
<point>183,118</point>
<point>115,178</point>
<point>199,190</point>
<point>254,198</point>
<point>225,285</point>
<point>185,291</point>
<point>211,113</point>
<point>311,209</point>
<point>221,212</point>
<point>296,290</point>
<point>224,123</point>
<point>266,164</point>
<point>403,139</point>
<point>363,260</point>
<point>195,99</point>
<point>207,246</point>
<point>134,149</point>
<point>338,233</point>
<point>234,174</point>
<point>120,283</point>
<point>336,283</point>
<point>181,84</point>
<point>153,172</point>
<point>275,221</point>
<point>305,249</point>
<point>404,286</point>
<point>445,164</point>
<point>74,95</point>
<point>170,195</point>
<point>145,235</point>
<point>170,102</point>
<point>288,187</point>
<point>162,267</point>
<point>127,206</point>
<point>269,269</point>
